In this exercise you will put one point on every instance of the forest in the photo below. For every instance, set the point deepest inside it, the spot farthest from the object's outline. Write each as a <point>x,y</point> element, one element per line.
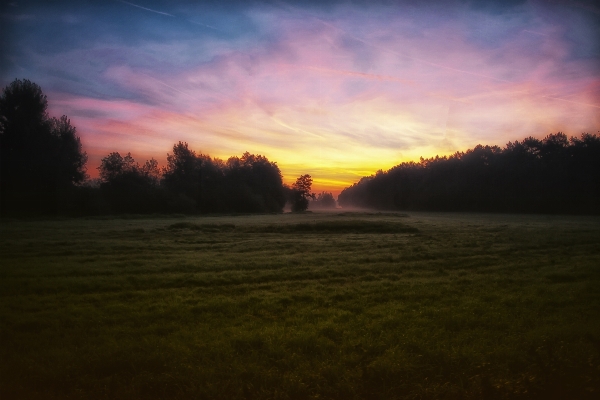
<point>43,172</point>
<point>554,175</point>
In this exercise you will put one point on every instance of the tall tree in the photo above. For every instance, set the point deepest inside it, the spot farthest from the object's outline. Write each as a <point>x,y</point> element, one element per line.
<point>182,173</point>
<point>254,184</point>
<point>41,158</point>
<point>301,193</point>
<point>128,187</point>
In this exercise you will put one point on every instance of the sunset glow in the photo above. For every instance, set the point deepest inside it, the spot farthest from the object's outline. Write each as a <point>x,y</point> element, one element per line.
<point>337,91</point>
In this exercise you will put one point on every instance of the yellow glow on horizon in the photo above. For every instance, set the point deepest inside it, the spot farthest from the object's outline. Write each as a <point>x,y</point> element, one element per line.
<point>322,117</point>
<point>337,151</point>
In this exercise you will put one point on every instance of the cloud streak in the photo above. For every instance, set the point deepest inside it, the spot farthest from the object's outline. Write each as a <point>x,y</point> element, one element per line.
<point>337,92</point>
<point>145,8</point>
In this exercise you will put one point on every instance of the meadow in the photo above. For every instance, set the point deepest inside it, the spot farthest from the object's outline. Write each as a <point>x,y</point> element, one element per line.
<point>338,305</point>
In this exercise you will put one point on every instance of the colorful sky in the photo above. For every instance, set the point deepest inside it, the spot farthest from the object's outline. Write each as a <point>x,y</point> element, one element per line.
<point>335,89</point>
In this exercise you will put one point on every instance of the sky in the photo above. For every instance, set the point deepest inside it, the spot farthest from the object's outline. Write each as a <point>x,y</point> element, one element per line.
<point>334,89</point>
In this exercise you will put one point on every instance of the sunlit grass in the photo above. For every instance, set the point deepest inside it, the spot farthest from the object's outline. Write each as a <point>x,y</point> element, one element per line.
<point>338,305</point>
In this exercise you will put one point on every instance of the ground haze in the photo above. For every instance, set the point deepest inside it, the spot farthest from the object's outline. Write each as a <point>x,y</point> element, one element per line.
<point>328,305</point>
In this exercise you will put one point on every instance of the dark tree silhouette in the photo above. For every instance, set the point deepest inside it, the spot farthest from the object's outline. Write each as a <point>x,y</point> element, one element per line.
<point>301,193</point>
<point>128,187</point>
<point>254,184</point>
<point>190,178</point>
<point>115,166</point>
<point>41,158</point>
<point>182,175</point>
<point>323,200</point>
<point>250,183</point>
<point>553,175</point>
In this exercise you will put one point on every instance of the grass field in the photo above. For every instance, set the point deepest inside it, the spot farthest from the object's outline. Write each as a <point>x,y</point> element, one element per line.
<point>320,305</point>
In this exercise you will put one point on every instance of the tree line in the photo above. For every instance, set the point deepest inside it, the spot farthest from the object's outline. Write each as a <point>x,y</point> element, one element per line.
<point>43,172</point>
<point>554,175</point>
<point>191,183</point>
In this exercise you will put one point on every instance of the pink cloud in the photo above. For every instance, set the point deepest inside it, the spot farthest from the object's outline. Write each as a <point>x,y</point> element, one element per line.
<point>320,98</point>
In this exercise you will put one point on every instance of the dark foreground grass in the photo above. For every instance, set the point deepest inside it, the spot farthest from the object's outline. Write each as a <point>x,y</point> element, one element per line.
<point>301,306</point>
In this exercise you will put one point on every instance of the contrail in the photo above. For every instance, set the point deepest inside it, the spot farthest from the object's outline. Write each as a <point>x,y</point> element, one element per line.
<point>534,32</point>
<point>206,25</point>
<point>147,9</point>
<point>295,129</point>
<point>570,101</point>
<point>169,15</point>
<point>169,86</point>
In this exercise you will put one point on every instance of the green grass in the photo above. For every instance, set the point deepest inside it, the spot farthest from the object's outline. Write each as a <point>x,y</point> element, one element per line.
<point>322,305</point>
